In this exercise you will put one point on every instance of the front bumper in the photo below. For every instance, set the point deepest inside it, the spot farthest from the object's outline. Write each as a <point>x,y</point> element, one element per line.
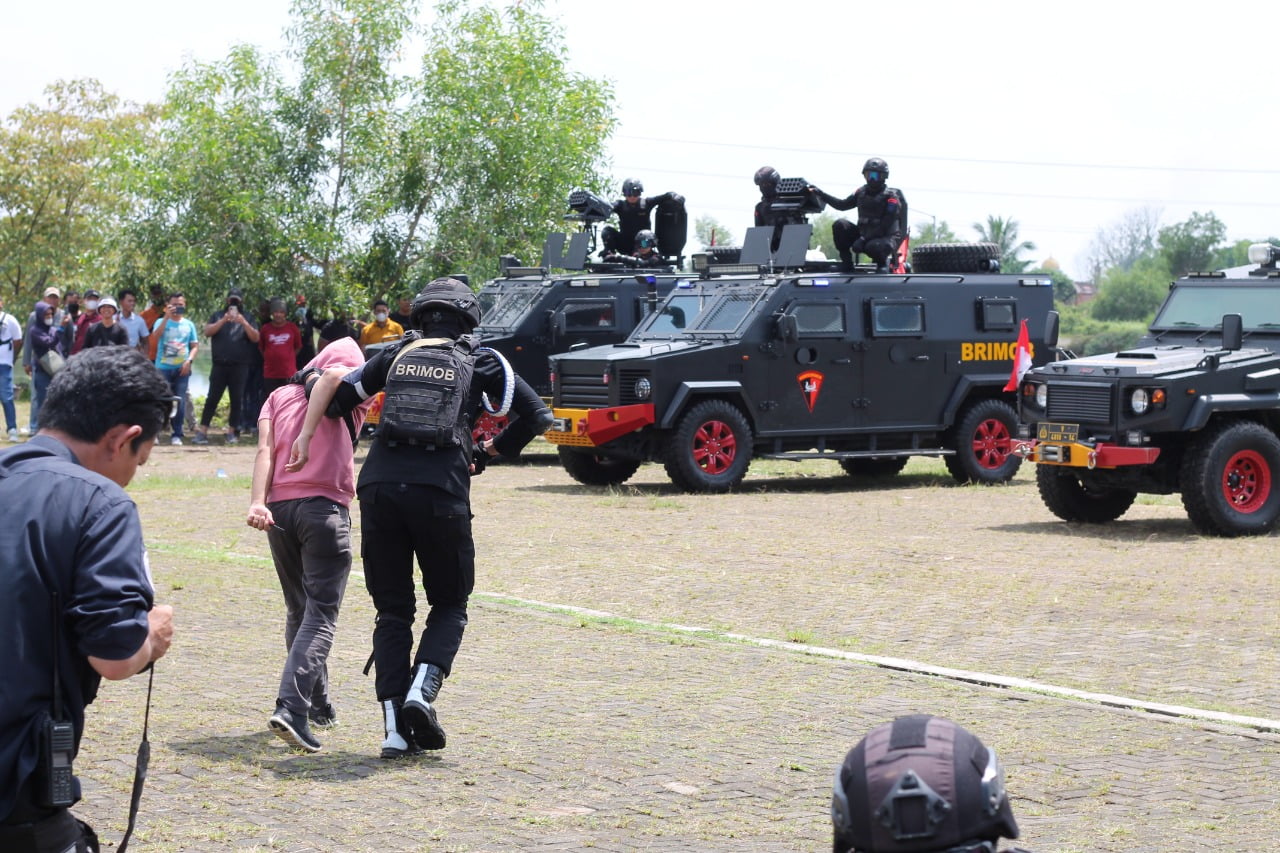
<point>1079,454</point>
<point>594,427</point>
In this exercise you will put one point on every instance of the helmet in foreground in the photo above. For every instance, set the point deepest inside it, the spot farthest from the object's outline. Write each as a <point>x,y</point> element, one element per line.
<point>921,784</point>
<point>445,296</point>
<point>632,186</point>
<point>646,239</point>
<point>767,179</point>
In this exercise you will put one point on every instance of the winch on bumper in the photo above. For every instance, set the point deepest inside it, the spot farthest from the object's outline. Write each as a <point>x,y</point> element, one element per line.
<point>1060,444</point>
<point>594,427</point>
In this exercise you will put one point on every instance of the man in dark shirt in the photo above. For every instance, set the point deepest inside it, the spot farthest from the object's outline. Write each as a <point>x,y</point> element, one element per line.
<point>415,495</point>
<point>107,331</point>
<point>71,557</point>
<point>338,327</point>
<point>234,338</point>
<point>401,315</point>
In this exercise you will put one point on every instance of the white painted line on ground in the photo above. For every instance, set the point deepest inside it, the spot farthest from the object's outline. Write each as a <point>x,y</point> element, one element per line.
<point>907,665</point>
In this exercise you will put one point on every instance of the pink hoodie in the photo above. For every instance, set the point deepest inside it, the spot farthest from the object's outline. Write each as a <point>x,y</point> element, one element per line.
<point>330,470</point>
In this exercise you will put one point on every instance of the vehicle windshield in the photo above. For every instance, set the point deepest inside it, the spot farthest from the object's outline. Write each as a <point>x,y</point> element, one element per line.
<point>714,310</point>
<point>1203,307</point>
<point>508,307</point>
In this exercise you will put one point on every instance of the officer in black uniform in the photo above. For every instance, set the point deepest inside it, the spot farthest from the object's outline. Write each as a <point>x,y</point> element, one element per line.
<point>920,784</point>
<point>882,219</point>
<point>767,179</point>
<point>414,491</point>
<point>633,216</point>
<point>646,253</point>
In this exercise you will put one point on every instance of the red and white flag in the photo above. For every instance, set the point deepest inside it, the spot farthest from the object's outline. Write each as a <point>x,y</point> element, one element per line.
<point>1021,358</point>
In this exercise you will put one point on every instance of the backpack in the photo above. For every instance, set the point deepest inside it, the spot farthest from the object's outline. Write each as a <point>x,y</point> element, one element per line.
<point>427,388</point>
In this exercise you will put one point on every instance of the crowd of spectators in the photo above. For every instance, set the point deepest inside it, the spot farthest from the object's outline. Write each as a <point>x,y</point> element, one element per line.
<point>253,350</point>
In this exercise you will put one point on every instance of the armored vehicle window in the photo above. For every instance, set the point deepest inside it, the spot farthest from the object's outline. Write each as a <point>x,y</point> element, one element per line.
<point>726,314</point>
<point>588,314</point>
<point>897,318</point>
<point>510,307</point>
<point>677,314</point>
<point>997,313</point>
<point>1203,307</point>
<point>819,319</point>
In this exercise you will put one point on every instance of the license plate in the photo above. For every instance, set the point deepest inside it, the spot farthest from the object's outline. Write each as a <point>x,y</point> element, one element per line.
<point>562,425</point>
<point>1048,431</point>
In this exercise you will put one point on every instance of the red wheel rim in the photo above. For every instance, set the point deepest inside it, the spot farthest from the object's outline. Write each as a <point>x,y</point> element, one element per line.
<point>714,447</point>
<point>1246,481</point>
<point>992,443</point>
<point>487,426</point>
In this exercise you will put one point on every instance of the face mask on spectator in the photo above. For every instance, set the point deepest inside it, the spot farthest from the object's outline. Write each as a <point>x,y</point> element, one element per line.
<point>381,316</point>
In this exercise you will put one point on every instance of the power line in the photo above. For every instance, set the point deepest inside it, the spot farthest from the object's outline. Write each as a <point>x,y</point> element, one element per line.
<point>974,160</point>
<point>916,190</point>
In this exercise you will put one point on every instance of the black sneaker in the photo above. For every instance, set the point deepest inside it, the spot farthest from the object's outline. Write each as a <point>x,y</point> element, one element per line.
<point>292,730</point>
<point>323,716</point>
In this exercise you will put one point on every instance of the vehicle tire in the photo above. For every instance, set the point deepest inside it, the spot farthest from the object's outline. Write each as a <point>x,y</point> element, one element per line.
<point>711,448</point>
<point>1228,480</point>
<point>983,441</point>
<point>954,257</point>
<point>873,466</point>
<point>1071,500</point>
<point>592,470</point>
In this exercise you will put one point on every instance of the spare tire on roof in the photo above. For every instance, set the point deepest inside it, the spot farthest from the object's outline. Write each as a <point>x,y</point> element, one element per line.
<point>955,257</point>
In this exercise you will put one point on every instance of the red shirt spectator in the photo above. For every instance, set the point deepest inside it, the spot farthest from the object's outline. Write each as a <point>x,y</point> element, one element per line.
<point>279,342</point>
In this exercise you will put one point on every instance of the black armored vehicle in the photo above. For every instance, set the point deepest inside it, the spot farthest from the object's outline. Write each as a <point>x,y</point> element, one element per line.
<point>1194,409</point>
<point>781,360</point>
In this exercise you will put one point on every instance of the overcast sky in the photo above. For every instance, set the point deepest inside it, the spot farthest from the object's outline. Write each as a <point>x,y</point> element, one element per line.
<point>1063,116</point>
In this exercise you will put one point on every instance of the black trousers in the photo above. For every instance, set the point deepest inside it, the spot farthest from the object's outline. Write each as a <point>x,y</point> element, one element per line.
<point>401,521</point>
<point>33,829</point>
<point>223,376</point>
<point>848,238</point>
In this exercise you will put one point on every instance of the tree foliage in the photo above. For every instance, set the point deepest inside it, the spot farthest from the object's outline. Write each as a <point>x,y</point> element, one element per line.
<point>61,203</point>
<point>1004,233</point>
<point>709,232</point>
<point>1132,293</point>
<point>936,232</point>
<point>1190,246</point>
<point>1121,245</point>
<point>511,128</point>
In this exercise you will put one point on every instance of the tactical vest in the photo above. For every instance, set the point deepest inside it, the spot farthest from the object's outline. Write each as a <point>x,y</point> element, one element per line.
<point>427,389</point>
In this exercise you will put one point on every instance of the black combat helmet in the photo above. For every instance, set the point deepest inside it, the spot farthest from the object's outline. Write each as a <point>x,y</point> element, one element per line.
<point>876,171</point>
<point>646,239</point>
<point>917,785</point>
<point>767,179</point>
<point>445,295</point>
<point>631,187</point>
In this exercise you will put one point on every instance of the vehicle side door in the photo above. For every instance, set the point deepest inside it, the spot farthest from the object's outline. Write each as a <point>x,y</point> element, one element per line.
<point>813,376</point>
<point>901,368</point>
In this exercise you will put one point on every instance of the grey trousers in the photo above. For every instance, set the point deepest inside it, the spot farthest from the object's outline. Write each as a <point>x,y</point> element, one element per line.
<point>313,559</point>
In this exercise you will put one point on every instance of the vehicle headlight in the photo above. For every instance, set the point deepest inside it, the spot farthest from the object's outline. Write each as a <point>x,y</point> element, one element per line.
<point>643,388</point>
<point>1139,400</point>
<point>1042,394</point>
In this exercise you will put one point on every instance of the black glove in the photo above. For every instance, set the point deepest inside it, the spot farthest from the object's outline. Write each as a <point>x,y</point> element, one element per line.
<point>479,459</point>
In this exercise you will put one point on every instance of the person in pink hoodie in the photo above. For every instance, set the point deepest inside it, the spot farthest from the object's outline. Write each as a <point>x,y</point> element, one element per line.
<point>306,515</point>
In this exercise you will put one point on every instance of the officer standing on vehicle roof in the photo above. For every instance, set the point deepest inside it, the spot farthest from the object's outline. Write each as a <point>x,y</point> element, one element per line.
<point>882,219</point>
<point>633,216</point>
<point>414,491</point>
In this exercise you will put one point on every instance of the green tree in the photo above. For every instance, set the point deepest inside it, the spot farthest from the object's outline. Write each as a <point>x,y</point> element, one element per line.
<point>821,238</point>
<point>218,206</point>
<point>709,232</point>
<point>1064,289</point>
<point>1123,243</point>
<point>1190,246</point>
<point>343,113</point>
<point>1133,293</point>
<point>1004,233</point>
<point>511,129</point>
<point>935,232</point>
<point>61,200</point>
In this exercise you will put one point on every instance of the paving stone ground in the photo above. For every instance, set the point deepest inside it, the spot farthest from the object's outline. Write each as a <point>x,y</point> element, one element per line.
<point>570,732</point>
